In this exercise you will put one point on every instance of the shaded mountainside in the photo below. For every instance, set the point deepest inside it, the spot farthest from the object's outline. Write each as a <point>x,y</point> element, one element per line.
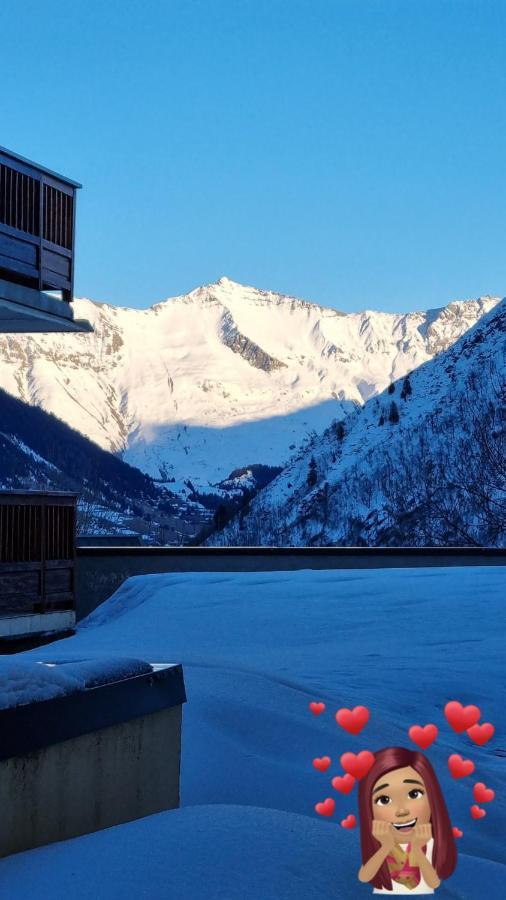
<point>40,452</point>
<point>423,463</point>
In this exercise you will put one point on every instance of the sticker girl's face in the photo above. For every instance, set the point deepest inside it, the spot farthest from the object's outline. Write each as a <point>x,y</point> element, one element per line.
<point>400,797</point>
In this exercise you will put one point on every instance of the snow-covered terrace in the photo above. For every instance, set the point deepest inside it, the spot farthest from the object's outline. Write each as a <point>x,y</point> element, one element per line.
<point>256,649</point>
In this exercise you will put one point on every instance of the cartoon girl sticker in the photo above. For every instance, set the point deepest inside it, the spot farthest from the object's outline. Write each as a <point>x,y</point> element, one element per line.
<point>407,840</point>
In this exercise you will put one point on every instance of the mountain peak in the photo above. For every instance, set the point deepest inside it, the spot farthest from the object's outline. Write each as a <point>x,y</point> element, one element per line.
<point>225,284</point>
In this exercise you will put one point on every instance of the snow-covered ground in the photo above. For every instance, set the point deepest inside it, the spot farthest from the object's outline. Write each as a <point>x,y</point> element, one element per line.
<point>256,649</point>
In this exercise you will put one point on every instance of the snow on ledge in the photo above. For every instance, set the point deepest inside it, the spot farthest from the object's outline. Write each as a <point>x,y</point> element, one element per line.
<point>24,681</point>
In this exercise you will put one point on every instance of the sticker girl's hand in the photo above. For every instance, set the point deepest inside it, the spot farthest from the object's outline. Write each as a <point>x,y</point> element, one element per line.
<point>422,834</point>
<point>384,833</point>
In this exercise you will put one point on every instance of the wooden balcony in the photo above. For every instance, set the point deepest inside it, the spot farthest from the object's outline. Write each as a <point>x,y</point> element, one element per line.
<point>37,241</point>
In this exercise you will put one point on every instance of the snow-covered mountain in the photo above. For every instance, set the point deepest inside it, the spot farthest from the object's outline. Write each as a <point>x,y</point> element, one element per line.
<point>422,463</point>
<point>221,378</point>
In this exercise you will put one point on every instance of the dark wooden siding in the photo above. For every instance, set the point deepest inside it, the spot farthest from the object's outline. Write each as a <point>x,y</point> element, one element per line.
<point>19,200</point>
<point>37,550</point>
<point>58,207</point>
<point>37,216</point>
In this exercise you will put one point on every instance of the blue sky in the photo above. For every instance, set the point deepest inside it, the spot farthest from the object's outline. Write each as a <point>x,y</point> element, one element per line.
<point>351,152</point>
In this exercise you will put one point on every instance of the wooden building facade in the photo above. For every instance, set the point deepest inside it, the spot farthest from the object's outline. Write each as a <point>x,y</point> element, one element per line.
<point>37,554</point>
<point>37,225</point>
<point>37,241</point>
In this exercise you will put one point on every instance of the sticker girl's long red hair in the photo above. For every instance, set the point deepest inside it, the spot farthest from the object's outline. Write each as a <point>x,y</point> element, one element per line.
<point>444,855</point>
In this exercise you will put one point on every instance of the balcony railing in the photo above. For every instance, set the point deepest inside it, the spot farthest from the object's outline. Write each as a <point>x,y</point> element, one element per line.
<point>37,225</point>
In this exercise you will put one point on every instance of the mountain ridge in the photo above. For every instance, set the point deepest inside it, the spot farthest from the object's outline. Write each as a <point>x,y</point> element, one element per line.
<point>423,462</point>
<point>224,377</point>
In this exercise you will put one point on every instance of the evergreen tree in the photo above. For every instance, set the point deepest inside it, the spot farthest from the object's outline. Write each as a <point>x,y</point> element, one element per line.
<point>220,516</point>
<point>406,388</point>
<point>393,415</point>
<point>312,475</point>
<point>340,431</point>
<point>391,388</point>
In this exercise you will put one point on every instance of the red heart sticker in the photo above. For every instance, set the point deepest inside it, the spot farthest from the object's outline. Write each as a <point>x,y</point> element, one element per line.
<point>423,736</point>
<point>349,822</point>
<point>358,764</point>
<point>326,808</point>
<point>343,783</point>
<point>477,812</point>
<point>461,717</point>
<point>353,720</point>
<point>483,794</point>
<point>459,767</point>
<point>322,763</point>
<point>316,708</point>
<point>457,832</point>
<point>480,734</point>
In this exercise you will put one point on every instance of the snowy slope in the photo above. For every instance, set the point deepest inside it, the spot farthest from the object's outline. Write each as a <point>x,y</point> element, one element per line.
<point>423,463</point>
<point>256,648</point>
<point>220,378</point>
<point>218,852</point>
